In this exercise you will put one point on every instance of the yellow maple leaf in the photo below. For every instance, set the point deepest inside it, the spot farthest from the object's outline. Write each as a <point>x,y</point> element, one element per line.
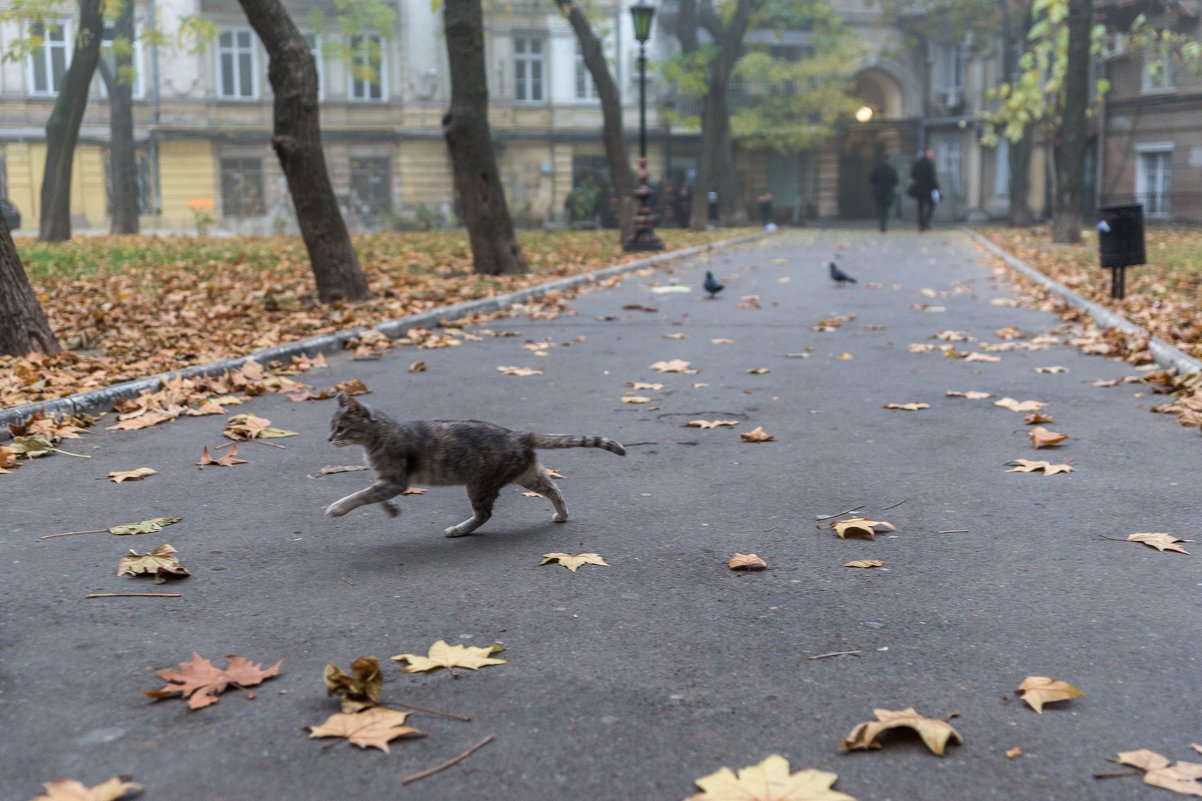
<point>1032,466</point>
<point>865,563</point>
<point>746,561</point>
<point>770,780</point>
<point>372,728</point>
<point>573,563</point>
<point>860,527</point>
<point>757,434</point>
<point>934,733</point>
<point>1040,690</point>
<point>1043,438</point>
<point>118,476</point>
<point>1159,540</point>
<point>71,790</point>
<point>1020,406</point>
<point>674,366</point>
<point>446,656</point>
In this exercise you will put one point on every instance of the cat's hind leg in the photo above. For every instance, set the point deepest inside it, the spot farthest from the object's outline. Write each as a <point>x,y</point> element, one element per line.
<point>537,480</point>
<point>482,497</point>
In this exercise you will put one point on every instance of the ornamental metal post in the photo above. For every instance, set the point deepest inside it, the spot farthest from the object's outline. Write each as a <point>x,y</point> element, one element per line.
<point>643,237</point>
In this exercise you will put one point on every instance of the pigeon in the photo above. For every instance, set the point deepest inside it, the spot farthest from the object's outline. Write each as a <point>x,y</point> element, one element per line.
<point>712,285</point>
<point>840,277</point>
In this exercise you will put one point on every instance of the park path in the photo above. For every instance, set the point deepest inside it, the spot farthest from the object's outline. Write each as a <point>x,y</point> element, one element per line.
<point>629,681</point>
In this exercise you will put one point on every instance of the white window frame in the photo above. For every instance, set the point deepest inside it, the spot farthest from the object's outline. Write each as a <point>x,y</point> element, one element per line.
<point>524,82</point>
<point>949,164</point>
<point>1156,81</point>
<point>44,52</point>
<point>1142,179</point>
<point>234,51</point>
<point>381,82</point>
<point>314,42</point>
<point>585,88</point>
<point>139,87</point>
<point>951,72</point>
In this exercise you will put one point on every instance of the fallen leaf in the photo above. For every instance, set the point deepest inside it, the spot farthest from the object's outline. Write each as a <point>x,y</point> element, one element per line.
<point>1143,758</point>
<point>229,460</point>
<point>860,527</point>
<point>150,526</point>
<point>1181,777</point>
<point>1196,747</point>
<point>414,491</point>
<point>676,335</point>
<point>722,341</point>
<point>935,733</point>
<point>1014,753</point>
<point>519,371</point>
<point>358,691</point>
<point>161,562</point>
<point>573,563</point>
<point>352,386</point>
<point>372,728</point>
<point>1160,541</point>
<point>907,407</point>
<point>531,495</point>
<point>1054,369</point>
<point>1043,438</point>
<point>971,394</point>
<point>118,476</point>
<point>865,563</point>
<point>1035,418</point>
<point>71,790</point>
<point>640,307</point>
<point>952,336</point>
<point>1040,690</point>
<point>711,424</point>
<point>757,434</point>
<point>674,366</point>
<point>200,681</point>
<point>758,371</point>
<point>418,366</point>
<point>746,561</point>
<point>981,357</point>
<point>845,357</point>
<point>1020,406</point>
<point>643,385</point>
<point>769,781</point>
<point>249,426</point>
<point>446,656</point>
<point>635,399</point>
<point>1031,466</point>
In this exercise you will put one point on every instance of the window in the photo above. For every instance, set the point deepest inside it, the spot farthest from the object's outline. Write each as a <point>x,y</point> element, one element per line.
<point>1154,178</point>
<point>951,73</point>
<point>367,68</point>
<point>48,60</point>
<point>106,48</point>
<point>236,65</point>
<point>1159,74</point>
<point>242,187</point>
<point>371,189</point>
<point>585,88</point>
<point>314,43</point>
<point>527,69</point>
<point>948,164</point>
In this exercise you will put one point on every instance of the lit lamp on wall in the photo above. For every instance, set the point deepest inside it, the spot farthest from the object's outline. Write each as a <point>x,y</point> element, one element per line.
<point>644,237</point>
<point>863,114</point>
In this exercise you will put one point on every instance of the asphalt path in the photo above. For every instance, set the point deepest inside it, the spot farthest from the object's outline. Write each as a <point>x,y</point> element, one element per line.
<point>630,681</point>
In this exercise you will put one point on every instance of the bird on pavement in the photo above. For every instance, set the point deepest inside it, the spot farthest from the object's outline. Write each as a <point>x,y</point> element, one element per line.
<point>712,285</point>
<point>840,277</point>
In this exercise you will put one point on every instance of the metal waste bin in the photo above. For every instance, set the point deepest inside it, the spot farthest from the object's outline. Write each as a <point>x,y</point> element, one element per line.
<point>1121,242</point>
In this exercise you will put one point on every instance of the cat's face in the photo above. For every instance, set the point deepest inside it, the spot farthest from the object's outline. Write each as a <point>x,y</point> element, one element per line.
<point>351,423</point>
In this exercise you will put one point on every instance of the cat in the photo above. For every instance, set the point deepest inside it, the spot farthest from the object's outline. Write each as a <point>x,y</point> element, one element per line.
<point>481,456</point>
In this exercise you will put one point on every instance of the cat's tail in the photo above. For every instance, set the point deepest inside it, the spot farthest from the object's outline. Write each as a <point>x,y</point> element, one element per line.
<point>569,441</point>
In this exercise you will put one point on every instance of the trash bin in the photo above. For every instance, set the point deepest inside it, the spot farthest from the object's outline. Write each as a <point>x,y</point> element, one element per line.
<point>1121,235</point>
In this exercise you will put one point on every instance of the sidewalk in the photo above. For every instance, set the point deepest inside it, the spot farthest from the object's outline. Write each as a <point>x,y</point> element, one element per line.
<point>630,681</point>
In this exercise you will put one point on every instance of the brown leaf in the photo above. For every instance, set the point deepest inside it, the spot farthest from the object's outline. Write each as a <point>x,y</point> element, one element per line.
<point>935,733</point>
<point>229,460</point>
<point>981,357</point>
<point>758,371</point>
<point>746,561</point>
<point>519,371</point>
<point>162,563</point>
<point>361,689</point>
<point>119,476</point>
<point>1032,466</point>
<point>373,728</point>
<point>770,780</point>
<point>1160,541</point>
<point>574,563</point>
<point>1040,690</point>
<point>446,656</point>
<point>1035,418</point>
<point>1043,438</point>
<point>418,366</point>
<point>971,394</point>
<point>865,563</point>
<point>757,434</point>
<point>907,407</point>
<point>200,681</point>
<point>1181,778</point>
<point>1014,753</point>
<point>71,790</point>
<point>860,527</point>
<point>674,366</point>
<point>635,399</point>
<point>1143,759</point>
<point>1020,406</point>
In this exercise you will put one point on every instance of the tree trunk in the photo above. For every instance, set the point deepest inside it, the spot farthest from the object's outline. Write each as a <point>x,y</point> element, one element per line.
<point>62,129</point>
<point>123,166</point>
<point>611,115</point>
<point>23,324</point>
<point>1070,158</point>
<point>495,248</point>
<point>296,137</point>
<point>1020,180</point>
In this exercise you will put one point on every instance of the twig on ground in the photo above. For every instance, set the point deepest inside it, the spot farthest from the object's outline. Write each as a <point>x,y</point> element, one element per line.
<point>132,595</point>
<point>840,514</point>
<point>1113,539</point>
<point>890,506</point>
<point>954,531</point>
<point>439,713</point>
<point>73,533</point>
<point>1114,774</point>
<point>348,581</point>
<point>431,771</point>
<point>836,653</point>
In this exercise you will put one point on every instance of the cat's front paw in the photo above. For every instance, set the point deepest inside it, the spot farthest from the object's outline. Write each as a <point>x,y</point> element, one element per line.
<point>458,531</point>
<point>390,508</point>
<point>560,517</point>
<point>338,508</point>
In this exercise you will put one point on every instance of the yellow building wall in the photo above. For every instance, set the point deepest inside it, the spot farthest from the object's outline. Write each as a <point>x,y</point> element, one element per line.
<point>22,185</point>
<point>424,170</point>
<point>26,164</point>
<point>187,173</point>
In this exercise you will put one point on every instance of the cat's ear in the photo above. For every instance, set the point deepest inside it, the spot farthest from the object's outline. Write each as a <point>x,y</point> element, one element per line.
<point>344,400</point>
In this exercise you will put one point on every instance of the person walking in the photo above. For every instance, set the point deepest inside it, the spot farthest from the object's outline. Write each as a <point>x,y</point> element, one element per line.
<point>884,180</point>
<point>924,186</point>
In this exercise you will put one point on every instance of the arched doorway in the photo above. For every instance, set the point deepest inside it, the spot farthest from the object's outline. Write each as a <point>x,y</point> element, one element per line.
<point>879,129</point>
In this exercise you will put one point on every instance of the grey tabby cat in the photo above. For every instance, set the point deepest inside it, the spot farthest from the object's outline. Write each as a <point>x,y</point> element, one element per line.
<point>482,456</point>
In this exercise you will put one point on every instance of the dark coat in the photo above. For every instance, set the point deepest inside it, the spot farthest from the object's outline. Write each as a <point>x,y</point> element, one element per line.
<point>922,174</point>
<point>883,179</point>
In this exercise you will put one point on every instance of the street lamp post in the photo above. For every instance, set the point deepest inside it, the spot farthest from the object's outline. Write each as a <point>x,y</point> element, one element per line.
<point>643,237</point>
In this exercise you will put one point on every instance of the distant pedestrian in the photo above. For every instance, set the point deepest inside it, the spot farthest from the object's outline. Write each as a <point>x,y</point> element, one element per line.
<point>764,199</point>
<point>924,186</point>
<point>884,181</point>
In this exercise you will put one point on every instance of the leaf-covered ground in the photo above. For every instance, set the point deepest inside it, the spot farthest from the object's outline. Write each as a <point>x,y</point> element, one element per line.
<point>127,307</point>
<point>1164,296</point>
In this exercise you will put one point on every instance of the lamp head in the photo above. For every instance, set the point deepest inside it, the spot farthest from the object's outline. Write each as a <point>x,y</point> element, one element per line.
<point>641,14</point>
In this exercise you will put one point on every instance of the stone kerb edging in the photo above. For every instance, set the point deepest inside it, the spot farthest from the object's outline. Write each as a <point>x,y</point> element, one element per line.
<point>103,398</point>
<point>1165,354</point>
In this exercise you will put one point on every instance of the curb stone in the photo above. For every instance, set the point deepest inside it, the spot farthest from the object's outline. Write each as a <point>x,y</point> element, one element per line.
<point>1165,354</point>
<point>103,398</point>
